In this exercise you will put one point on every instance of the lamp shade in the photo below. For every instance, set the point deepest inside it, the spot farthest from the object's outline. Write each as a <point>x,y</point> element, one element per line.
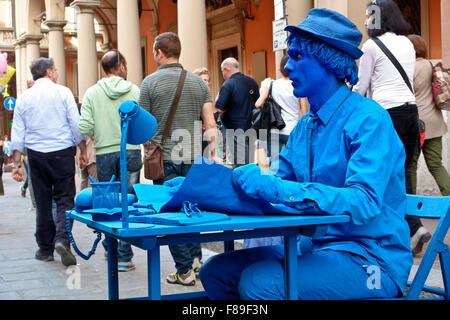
<point>142,125</point>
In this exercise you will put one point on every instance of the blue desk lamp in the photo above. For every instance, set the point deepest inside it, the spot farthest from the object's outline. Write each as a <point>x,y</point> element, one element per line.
<point>138,126</point>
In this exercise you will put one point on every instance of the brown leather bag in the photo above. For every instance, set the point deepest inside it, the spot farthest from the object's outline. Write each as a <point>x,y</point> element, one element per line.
<point>153,153</point>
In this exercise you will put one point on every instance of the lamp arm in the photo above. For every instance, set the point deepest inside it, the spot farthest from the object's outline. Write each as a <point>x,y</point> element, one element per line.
<point>123,170</point>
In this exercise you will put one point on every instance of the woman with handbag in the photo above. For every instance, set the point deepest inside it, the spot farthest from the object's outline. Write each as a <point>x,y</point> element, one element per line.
<point>292,108</point>
<point>432,116</point>
<point>386,74</point>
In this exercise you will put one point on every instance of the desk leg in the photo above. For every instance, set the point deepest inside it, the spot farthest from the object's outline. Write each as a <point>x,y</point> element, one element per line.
<point>154,273</point>
<point>290,267</point>
<point>113,272</point>
<point>228,245</point>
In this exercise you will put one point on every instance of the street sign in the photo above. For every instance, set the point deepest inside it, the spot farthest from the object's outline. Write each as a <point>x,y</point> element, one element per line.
<point>279,9</point>
<point>9,103</point>
<point>279,35</point>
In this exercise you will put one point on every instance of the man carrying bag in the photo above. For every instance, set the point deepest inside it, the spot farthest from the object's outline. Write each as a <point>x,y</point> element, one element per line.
<point>177,121</point>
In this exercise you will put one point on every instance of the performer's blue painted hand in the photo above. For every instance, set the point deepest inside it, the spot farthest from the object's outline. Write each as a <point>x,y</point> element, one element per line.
<point>255,183</point>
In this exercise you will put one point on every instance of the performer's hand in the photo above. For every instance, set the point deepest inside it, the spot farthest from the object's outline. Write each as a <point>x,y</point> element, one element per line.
<point>18,174</point>
<point>255,182</point>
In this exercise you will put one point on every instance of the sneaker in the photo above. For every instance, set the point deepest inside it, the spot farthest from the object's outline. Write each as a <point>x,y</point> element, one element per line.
<point>39,255</point>
<point>187,279</point>
<point>67,258</point>
<point>421,237</point>
<point>126,266</point>
<point>196,265</point>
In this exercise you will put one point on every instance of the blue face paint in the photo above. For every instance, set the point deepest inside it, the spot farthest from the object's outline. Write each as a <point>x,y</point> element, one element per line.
<point>310,79</point>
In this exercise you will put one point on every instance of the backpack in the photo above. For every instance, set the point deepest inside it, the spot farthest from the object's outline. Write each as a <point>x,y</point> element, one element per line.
<point>441,87</point>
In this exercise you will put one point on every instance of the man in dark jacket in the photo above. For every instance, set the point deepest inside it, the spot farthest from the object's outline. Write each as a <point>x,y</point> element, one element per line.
<point>235,103</point>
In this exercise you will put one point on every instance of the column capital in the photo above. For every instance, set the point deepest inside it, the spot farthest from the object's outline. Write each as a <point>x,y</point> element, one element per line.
<point>85,6</point>
<point>55,25</point>
<point>32,38</point>
<point>20,43</point>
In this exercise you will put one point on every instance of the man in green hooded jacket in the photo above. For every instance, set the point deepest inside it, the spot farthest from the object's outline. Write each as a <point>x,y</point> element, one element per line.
<point>100,119</point>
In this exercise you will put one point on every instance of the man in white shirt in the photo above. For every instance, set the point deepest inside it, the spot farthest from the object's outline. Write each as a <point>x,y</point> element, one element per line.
<point>46,123</point>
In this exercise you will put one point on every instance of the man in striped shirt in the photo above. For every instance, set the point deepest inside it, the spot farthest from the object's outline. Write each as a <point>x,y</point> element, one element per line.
<point>184,140</point>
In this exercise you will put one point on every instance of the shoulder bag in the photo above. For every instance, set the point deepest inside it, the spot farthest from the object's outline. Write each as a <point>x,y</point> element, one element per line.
<point>153,153</point>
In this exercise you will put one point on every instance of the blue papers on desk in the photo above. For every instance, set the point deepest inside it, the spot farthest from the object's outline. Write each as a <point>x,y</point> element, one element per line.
<point>180,218</point>
<point>115,214</point>
<point>152,195</point>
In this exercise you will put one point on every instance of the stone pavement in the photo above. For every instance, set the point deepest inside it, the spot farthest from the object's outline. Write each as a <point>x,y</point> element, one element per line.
<point>23,277</point>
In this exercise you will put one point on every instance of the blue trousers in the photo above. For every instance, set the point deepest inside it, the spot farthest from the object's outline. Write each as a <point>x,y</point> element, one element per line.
<point>108,165</point>
<point>258,274</point>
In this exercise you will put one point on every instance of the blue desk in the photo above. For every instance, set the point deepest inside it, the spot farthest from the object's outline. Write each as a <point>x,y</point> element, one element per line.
<point>150,237</point>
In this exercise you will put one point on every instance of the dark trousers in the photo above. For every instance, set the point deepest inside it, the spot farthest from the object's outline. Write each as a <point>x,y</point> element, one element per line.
<point>53,178</point>
<point>182,254</point>
<point>405,119</point>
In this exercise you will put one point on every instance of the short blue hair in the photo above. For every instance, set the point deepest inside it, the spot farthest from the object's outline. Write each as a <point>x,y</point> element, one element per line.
<point>338,62</point>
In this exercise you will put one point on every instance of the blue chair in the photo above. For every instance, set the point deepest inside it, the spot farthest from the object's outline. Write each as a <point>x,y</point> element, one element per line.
<point>431,208</point>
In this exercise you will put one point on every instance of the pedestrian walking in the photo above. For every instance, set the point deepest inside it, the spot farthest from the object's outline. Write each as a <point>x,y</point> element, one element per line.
<point>157,93</point>
<point>235,103</point>
<point>100,119</point>
<point>46,123</point>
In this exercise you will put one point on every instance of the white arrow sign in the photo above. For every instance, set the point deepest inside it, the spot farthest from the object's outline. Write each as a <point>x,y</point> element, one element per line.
<point>9,103</point>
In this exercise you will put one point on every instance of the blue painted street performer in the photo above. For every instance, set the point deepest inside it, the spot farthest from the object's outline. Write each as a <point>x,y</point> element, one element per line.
<point>343,157</point>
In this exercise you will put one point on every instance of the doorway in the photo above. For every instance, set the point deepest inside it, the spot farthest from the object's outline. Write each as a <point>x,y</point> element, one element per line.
<point>223,54</point>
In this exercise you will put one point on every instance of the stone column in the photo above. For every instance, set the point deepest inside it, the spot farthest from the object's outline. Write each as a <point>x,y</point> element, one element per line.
<point>33,51</point>
<point>87,50</point>
<point>56,47</point>
<point>192,33</point>
<point>18,52</point>
<point>24,69</point>
<point>129,38</point>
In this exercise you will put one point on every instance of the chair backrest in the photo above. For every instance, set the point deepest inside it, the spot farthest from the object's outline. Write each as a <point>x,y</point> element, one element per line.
<point>431,208</point>
<point>426,206</point>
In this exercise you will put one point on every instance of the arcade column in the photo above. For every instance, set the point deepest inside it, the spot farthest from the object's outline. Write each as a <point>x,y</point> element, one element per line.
<point>87,49</point>
<point>56,47</point>
<point>192,33</point>
<point>129,38</point>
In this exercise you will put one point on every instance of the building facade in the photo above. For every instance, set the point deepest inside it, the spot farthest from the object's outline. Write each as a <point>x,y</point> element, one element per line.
<point>75,33</point>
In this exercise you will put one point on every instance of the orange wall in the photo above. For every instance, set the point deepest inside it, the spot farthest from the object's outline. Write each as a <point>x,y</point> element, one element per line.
<point>435,29</point>
<point>258,37</point>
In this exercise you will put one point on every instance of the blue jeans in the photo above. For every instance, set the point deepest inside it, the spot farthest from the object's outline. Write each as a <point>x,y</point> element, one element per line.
<point>182,254</point>
<point>109,164</point>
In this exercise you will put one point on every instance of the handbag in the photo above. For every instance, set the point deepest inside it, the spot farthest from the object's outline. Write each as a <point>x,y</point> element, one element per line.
<point>153,153</point>
<point>441,87</point>
<point>269,115</point>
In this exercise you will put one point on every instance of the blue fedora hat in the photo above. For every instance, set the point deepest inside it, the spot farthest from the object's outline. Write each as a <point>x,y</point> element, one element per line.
<point>332,28</point>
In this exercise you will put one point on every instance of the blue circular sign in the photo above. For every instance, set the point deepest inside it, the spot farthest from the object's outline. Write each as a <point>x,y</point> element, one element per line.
<point>9,103</point>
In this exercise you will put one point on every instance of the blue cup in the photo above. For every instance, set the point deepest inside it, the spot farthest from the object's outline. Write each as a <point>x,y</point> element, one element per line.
<point>142,125</point>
